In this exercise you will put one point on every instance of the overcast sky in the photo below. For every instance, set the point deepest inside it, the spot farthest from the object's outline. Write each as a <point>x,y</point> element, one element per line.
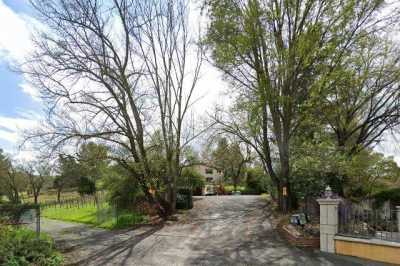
<point>20,107</point>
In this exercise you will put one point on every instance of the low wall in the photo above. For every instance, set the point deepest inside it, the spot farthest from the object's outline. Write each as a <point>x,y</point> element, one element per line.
<point>299,241</point>
<point>373,249</point>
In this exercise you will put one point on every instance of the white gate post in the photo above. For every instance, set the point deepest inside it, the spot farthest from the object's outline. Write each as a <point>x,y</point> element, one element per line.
<point>398,217</point>
<point>329,222</point>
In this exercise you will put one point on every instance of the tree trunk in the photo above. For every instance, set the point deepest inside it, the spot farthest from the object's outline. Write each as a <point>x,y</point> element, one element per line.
<point>59,195</point>
<point>286,199</point>
<point>35,198</point>
<point>16,196</point>
<point>171,195</point>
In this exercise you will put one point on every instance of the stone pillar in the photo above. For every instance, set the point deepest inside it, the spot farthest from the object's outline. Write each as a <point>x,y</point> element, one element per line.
<point>329,223</point>
<point>398,217</point>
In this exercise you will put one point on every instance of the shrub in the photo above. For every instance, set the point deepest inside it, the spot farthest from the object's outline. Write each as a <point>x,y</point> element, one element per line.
<point>19,246</point>
<point>392,195</point>
<point>256,182</point>
<point>127,220</point>
<point>190,179</point>
<point>123,191</point>
<point>230,188</point>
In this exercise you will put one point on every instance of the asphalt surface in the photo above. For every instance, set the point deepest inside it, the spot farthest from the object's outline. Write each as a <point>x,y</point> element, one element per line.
<point>219,230</point>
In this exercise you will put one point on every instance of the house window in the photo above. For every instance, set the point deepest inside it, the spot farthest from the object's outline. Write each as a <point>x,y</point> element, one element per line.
<point>209,171</point>
<point>209,179</point>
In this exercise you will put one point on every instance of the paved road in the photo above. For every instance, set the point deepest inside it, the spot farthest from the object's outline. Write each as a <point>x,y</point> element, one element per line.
<point>224,230</point>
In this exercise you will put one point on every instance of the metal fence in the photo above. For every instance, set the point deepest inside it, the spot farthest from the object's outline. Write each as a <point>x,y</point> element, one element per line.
<point>369,224</point>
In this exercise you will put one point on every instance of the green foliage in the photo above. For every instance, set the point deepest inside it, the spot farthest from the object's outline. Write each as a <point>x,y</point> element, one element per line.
<point>12,179</point>
<point>256,181</point>
<point>317,162</point>
<point>190,178</point>
<point>93,162</point>
<point>230,188</point>
<point>128,219</point>
<point>392,195</point>
<point>230,159</point>
<point>285,58</point>
<point>20,247</point>
<point>86,186</point>
<point>69,172</point>
<point>368,173</point>
<point>85,171</point>
<point>123,189</point>
<point>106,216</point>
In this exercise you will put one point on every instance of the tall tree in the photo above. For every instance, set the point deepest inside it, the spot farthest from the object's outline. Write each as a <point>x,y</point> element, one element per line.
<point>116,71</point>
<point>68,174</point>
<point>92,160</point>
<point>276,53</point>
<point>361,100</point>
<point>231,158</point>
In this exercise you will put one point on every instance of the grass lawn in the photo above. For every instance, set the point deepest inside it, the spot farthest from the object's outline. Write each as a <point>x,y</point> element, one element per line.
<point>105,217</point>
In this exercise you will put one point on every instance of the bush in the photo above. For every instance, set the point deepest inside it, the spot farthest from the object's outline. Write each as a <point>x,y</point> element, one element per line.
<point>392,195</point>
<point>191,179</point>
<point>127,220</point>
<point>256,182</point>
<point>123,191</point>
<point>230,188</point>
<point>20,247</point>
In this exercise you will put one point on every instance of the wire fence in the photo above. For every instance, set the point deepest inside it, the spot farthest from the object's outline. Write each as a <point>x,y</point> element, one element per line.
<point>82,201</point>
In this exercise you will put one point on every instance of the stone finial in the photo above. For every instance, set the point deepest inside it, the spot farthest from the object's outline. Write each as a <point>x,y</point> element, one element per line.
<point>328,192</point>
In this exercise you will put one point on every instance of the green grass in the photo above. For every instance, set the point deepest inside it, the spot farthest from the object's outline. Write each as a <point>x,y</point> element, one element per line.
<point>105,217</point>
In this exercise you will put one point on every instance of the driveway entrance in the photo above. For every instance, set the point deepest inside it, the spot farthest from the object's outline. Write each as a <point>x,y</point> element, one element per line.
<point>219,230</point>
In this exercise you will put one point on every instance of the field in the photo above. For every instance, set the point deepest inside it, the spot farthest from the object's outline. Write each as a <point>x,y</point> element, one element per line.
<point>104,217</point>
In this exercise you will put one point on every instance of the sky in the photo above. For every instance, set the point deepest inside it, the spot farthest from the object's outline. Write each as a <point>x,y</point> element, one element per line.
<point>18,104</point>
<point>20,107</point>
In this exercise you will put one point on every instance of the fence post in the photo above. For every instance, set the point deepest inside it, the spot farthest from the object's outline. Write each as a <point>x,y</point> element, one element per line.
<point>38,222</point>
<point>329,223</point>
<point>398,217</point>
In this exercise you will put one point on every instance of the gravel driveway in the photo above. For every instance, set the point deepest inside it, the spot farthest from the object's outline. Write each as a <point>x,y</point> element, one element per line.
<point>219,230</point>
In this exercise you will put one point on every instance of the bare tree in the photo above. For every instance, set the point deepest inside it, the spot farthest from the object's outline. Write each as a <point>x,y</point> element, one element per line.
<point>115,72</point>
<point>37,174</point>
<point>170,55</point>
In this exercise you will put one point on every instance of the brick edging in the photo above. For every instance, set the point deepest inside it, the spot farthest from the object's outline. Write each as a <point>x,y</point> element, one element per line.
<point>311,242</point>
